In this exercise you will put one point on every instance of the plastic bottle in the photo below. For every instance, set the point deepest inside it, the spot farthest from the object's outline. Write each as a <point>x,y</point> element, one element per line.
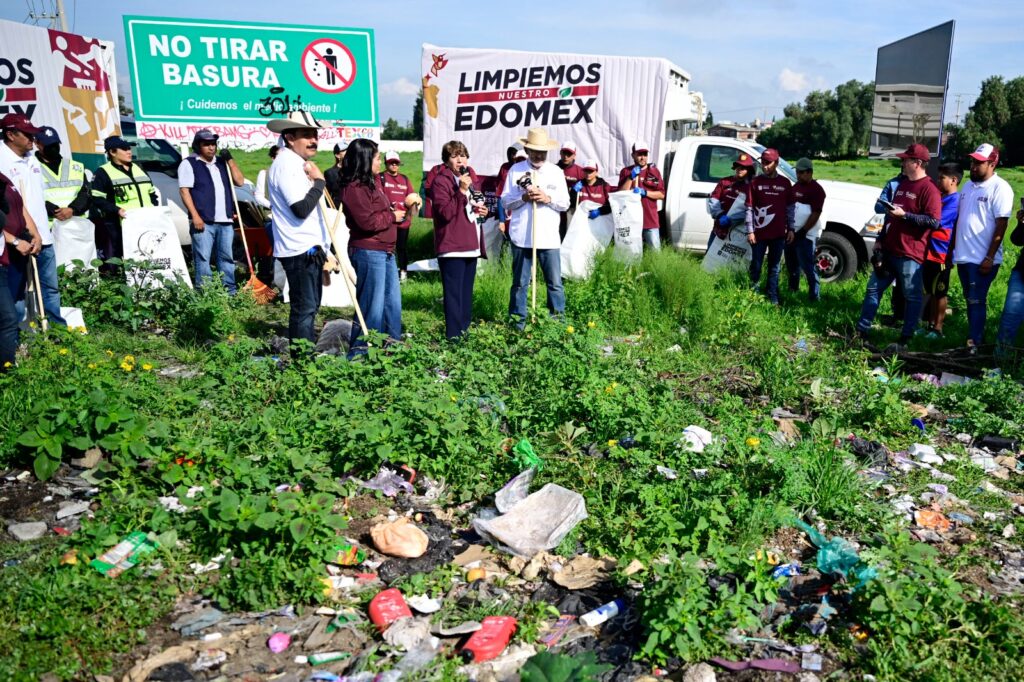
<point>387,607</point>
<point>602,613</point>
<point>490,640</point>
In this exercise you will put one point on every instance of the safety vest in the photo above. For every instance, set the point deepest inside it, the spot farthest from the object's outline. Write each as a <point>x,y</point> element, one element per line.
<point>63,189</point>
<point>130,191</point>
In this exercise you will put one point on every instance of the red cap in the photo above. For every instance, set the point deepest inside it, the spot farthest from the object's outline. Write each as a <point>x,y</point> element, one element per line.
<point>769,155</point>
<point>916,151</point>
<point>985,152</point>
<point>19,122</point>
<point>746,161</point>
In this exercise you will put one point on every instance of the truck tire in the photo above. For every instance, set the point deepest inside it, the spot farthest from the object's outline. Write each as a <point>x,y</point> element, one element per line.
<point>835,257</point>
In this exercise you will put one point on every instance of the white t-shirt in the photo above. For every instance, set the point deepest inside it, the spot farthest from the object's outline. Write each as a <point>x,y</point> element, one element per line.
<point>27,177</point>
<point>287,184</point>
<point>261,189</point>
<point>551,179</point>
<point>981,203</point>
<point>187,180</point>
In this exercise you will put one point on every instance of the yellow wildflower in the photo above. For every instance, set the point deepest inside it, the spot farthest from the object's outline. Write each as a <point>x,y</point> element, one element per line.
<point>570,329</point>
<point>146,366</point>
<point>32,325</point>
<point>92,365</point>
<point>612,443</point>
<point>591,324</point>
<point>753,442</point>
<point>127,366</point>
<point>110,353</point>
<point>129,359</point>
<point>8,364</point>
<point>63,351</point>
<point>231,338</point>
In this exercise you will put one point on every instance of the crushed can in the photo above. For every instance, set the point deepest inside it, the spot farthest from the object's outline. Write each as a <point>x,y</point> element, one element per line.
<point>387,607</point>
<point>490,640</point>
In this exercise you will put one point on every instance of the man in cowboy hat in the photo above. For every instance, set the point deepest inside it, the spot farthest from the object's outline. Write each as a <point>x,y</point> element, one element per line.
<point>301,241</point>
<point>534,195</point>
<point>207,194</point>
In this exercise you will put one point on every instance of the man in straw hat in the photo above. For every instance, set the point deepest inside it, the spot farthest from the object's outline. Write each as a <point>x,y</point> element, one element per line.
<point>534,195</point>
<point>301,241</point>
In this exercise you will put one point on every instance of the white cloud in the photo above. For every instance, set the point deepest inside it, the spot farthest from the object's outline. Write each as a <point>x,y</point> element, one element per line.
<point>403,87</point>
<point>791,81</point>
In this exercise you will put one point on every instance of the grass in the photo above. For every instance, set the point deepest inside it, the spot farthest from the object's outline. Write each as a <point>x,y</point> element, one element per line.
<point>604,403</point>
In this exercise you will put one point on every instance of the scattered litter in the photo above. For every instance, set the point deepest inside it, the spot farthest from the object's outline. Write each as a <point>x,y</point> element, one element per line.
<point>210,658</point>
<point>838,555</point>
<point>406,633</point>
<point>89,459</point>
<point>194,623</point>
<point>983,459</point>
<point>917,450</point>
<point>539,522</point>
<point>327,657</point>
<point>389,482</point>
<point>1009,531</point>
<point>947,379</point>
<point>670,474</point>
<point>695,439</point>
<point>675,348</point>
<point>72,509</point>
<point>172,504</point>
<point>514,491</point>
<point>602,613</point>
<point>25,532</point>
<point>212,637</point>
<point>279,641</point>
<point>961,518</point>
<point>811,662</point>
<point>123,555</point>
<point>425,604</point>
<point>997,443</point>
<point>399,538</point>
<point>387,607</point>
<point>786,570</point>
<point>490,640</point>
<point>441,630</point>
<point>583,572</point>
<point>557,631</point>
<point>932,520</point>
<point>770,664</point>
<point>526,458</point>
<point>213,564</point>
<point>349,554</point>
<point>871,453</point>
<point>919,423</point>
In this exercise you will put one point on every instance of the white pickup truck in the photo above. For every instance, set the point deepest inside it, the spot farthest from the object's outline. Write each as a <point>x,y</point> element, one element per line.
<point>697,163</point>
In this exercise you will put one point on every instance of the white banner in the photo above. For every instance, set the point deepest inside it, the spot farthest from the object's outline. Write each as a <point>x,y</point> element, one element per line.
<point>487,98</point>
<point>74,239</point>
<point>628,217</point>
<point>149,235</point>
<point>62,80</point>
<point>584,239</point>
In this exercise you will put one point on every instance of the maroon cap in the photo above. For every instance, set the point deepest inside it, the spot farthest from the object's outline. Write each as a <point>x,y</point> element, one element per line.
<point>745,160</point>
<point>985,152</point>
<point>769,155</point>
<point>19,122</point>
<point>916,151</point>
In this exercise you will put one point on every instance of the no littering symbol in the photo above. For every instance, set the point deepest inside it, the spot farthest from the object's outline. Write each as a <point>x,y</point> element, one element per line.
<point>328,65</point>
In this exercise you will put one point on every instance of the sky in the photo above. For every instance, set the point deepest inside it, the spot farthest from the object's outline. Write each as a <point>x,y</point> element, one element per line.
<point>749,59</point>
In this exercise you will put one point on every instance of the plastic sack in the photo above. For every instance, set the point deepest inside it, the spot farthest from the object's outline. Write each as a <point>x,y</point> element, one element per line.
<point>628,218</point>
<point>584,239</point>
<point>696,438</point>
<point>731,253</point>
<point>539,522</point>
<point>838,555</point>
<point>74,239</point>
<point>399,538</point>
<point>515,491</point>
<point>800,215</point>
<point>389,482</point>
<point>526,457</point>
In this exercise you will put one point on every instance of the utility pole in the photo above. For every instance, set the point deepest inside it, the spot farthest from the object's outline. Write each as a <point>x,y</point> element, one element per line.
<point>62,16</point>
<point>57,16</point>
<point>959,96</point>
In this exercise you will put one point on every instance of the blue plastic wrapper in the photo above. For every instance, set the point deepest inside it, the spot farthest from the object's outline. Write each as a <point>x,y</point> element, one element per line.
<point>838,555</point>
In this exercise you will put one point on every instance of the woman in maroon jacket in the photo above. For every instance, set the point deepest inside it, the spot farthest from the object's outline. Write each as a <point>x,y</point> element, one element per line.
<point>458,235</point>
<point>373,230</point>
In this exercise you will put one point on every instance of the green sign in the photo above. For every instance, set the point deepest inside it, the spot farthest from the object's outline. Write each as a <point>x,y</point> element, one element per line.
<point>199,71</point>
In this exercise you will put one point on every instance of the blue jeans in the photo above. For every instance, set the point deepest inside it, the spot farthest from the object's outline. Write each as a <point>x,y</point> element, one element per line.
<point>1013,310</point>
<point>550,265</point>
<point>774,248</point>
<point>910,276</point>
<point>800,257</point>
<point>17,278</point>
<point>975,286</point>
<point>378,294</point>
<point>305,275</point>
<point>652,238</point>
<point>214,243</point>
<point>8,323</point>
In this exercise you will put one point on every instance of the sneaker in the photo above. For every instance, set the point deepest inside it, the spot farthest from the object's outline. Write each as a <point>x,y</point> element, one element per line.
<point>923,331</point>
<point>402,276</point>
<point>934,334</point>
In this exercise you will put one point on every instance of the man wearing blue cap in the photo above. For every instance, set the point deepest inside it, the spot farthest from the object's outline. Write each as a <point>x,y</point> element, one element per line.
<point>117,186</point>
<point>207,192</point>
<point>65,186</point>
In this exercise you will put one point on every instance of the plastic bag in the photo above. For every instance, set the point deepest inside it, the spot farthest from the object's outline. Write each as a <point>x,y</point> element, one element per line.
<point>399,538</point>
<point>731,253</point>
<point>584,239</point>
<point>526,457</point>
<point>389,482</point>
<point>628,218</point>
<point>539,522</point>
<point>838,555</point>
<point>515,491</point>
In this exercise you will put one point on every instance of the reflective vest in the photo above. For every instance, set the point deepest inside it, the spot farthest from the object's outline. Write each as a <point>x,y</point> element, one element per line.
<point>63,189</point>
<point>130,191</point>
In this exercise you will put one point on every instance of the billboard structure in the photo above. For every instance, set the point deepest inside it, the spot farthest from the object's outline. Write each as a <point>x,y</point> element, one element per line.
<point>232,77</point>
<point>63,80</point>
<point>911,78</point>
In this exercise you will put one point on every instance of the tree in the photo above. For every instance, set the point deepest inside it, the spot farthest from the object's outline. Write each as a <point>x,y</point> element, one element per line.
<point>417,118</point>
<point>709,120</point>
<point>392,130</point>
<point>832,124</point>
<point>996,117</point>
<point>123,108</point>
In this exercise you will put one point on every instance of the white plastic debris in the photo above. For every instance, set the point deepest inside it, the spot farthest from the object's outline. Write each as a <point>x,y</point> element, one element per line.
<point>696,438</point>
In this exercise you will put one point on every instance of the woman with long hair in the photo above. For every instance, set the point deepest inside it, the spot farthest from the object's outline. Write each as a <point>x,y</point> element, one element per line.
<point>372,225</point>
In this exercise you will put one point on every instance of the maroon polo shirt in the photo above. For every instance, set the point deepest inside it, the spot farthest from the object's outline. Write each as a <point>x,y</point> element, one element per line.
<point>649,179</point>
<point>810,193</point>
<point>768,198</point>
<point>727,191</point>
<point>396,188</point>
<point>598,192</point>
<point>903,238</point>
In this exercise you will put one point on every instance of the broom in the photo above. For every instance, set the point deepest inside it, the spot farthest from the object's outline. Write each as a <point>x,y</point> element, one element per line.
<point>533,258</point>
<point>44,323</point>
<point>337,252</point>
<point>260,291</point>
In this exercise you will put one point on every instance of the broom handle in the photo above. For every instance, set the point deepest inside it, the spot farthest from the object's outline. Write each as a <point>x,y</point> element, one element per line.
<point>533,259</point>
<point>241,228</point>
<point>344,275</point>
<point>43,322</point>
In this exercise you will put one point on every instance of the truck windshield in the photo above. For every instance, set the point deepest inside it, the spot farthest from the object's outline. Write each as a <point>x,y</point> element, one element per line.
<point>784,167</point>
<point>152,155</point>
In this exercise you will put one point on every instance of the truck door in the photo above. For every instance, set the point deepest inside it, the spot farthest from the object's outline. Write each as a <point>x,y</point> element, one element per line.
<point>711,163</point>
